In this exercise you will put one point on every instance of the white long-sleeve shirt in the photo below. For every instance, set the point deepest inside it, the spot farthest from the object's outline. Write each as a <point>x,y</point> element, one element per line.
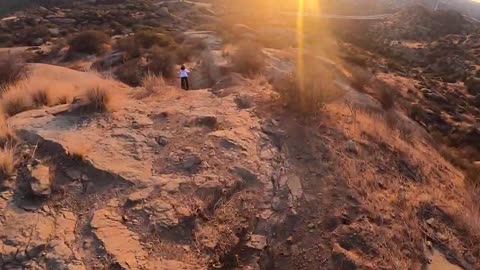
<point>184,73</point>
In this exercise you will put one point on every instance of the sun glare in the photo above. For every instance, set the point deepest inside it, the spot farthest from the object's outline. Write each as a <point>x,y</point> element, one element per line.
<point>304,7</point>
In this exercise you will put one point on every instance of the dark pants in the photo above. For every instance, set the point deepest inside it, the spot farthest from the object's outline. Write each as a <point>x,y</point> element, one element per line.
<point>184,82</point>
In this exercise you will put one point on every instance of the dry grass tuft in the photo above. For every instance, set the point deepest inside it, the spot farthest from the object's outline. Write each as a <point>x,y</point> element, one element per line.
<point>7,162</point>
<point>471,217</point>
<point>248,59</point>
<point>40,97</point>
<point>99,99</point>
<point>16,101</point>
<point>7,135</point>
<point>12,70</point>
<point>152,84</point>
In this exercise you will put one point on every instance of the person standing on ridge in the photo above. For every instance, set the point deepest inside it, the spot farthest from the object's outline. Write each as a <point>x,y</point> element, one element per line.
<point>184,77</point>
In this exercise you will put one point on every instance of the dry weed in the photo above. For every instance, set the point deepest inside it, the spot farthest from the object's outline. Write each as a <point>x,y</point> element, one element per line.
<point>12,70</point>
<point>99,99</point>
<point>7,135</point>
<point>7,162</point>
<point>16,101</point>
<point>386,96</point>
<point>40,97</point>
<point>152,84</point>
<point>471,218</point>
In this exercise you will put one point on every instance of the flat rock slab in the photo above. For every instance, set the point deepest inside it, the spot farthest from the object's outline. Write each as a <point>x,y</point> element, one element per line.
<point>121,243</point>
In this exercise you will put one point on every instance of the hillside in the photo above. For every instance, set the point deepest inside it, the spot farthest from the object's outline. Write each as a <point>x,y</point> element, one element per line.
<point>347,145</point>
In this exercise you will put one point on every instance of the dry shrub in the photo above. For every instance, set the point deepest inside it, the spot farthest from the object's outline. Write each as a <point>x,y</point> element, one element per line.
<point>248,59</point>
<point>147,39</point>
<point>128,46</point>
<point>7,135</point>
<point>91,42</point>
<point>385,94</point>
<point>36,93</point>
<point>161,62</point>
<point>130,73</point>
<point>152,83</point>
<point>7,162</point>
<point>12,70</point>
<point>40,97</point>
<point>16,101</point>
<point>99,99</point>
<point>309,98</point>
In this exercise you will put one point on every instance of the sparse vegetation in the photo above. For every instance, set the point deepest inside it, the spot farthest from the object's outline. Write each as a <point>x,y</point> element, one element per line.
<point>100,99</point>
<point>385,94</point>
<point>248,59</point>
<point>15,101</point>
<point>7,162</point>
<point>12,70</point>
<point>40,97</point>
<point>306,93</point>
<point>90,42</point>
<point>152,83</point>
<point>7,135</point>
<point>135,45</point>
